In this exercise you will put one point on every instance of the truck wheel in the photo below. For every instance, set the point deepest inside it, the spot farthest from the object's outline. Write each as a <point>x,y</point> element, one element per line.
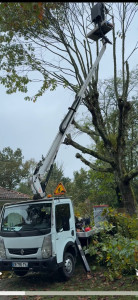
<point>20,273</point>
<point>68,267</point>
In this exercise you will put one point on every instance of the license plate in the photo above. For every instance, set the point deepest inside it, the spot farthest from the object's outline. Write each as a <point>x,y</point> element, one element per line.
<point>20,264</point>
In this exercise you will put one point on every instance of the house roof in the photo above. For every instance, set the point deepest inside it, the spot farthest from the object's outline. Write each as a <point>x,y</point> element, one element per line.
<point>6,194</point>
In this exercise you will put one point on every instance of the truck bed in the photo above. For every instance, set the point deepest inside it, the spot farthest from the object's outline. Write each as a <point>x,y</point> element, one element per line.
<point>86,234</point>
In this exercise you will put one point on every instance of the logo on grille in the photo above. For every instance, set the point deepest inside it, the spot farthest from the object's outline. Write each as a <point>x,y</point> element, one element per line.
<point>22,252</point>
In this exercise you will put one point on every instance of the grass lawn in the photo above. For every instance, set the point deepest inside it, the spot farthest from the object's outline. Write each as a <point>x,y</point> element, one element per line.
<point>79,282</point>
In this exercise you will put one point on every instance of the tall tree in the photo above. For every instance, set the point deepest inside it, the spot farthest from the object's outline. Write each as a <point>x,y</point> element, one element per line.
<point>109,108</point>
<point>12,168</point>
<point>57,47</point>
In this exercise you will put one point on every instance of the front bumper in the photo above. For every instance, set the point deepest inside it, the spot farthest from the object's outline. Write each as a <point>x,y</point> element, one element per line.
<point>36,265</point>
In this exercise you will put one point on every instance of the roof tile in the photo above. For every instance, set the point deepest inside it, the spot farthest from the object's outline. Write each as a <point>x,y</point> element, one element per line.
<point>10,194</point>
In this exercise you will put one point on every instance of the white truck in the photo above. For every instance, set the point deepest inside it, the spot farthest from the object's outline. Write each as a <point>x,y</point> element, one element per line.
<point>40,234</point>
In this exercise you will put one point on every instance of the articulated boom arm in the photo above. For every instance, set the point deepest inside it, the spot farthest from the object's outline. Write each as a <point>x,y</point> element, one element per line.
<point>45,166</point>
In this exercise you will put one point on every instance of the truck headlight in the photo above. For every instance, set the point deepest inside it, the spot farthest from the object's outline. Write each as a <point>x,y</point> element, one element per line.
<point>2,249</point>
<point>47,247</point>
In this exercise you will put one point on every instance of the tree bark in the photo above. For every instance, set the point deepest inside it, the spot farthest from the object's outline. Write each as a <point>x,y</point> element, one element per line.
<point>127,195</point>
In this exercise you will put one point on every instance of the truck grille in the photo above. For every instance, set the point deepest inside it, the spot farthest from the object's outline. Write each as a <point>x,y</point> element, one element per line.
<point>25,251</point>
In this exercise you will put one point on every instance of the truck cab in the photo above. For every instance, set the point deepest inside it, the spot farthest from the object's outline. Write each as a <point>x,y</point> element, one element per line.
<point>38,235</point>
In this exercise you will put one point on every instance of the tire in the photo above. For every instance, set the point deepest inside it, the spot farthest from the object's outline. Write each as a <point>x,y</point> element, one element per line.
<point>67,270</point>
<point>20,273</point>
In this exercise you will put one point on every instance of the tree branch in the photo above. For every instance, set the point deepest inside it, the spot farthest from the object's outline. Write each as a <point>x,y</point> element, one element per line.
<point>93,106</point>
<point>94,135</point>
<point>126,82</point>
<point>114,57</point>
<point>124,108</point>
<point>93,166</point>
<point>68,141</point>
<point>132,174</point>
<point>78,54</point>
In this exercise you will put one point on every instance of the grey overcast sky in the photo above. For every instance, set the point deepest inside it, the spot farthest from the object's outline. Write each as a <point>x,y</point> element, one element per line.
<point>33,126</point>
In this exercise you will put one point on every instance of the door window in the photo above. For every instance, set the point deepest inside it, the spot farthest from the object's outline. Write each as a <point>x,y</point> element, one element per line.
<point>62,217</point>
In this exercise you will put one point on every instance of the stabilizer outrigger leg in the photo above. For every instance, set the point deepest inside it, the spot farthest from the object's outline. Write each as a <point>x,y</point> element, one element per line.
<point>82,255</point>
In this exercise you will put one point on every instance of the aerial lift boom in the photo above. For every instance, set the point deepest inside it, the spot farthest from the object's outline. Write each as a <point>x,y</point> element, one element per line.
<point>38,183</point>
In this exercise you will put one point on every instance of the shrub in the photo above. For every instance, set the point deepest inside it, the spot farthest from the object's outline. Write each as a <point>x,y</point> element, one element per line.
<point>114,251</point>
<point>124,224</point>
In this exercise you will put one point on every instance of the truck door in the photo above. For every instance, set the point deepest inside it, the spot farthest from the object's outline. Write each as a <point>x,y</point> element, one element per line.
<point>65,230</point>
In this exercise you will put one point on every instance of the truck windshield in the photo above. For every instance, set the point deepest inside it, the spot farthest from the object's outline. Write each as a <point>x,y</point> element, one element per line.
<point>27,217</point>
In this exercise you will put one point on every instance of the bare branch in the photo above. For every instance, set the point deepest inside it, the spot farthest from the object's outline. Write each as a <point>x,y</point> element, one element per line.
<point>69,141</point>
<point>93,134</point>
<point>126,82</point>
<point>136,47</point>
<point>93,166</point>
<point>114,57</point>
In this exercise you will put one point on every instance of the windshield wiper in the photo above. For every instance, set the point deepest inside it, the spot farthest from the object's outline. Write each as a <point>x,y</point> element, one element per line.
<point>9,230</point>
<point>18,233</point>
<point>41,230</point>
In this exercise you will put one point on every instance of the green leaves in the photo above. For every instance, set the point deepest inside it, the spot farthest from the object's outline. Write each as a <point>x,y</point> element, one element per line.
<point>116,245</point>
<point>15,83</point>
<point>117,253</point>
<point>12,168</point>
<point>21,30</point>
<point>103,187</point>
<point>47,83</point>
<point>124,224</point>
